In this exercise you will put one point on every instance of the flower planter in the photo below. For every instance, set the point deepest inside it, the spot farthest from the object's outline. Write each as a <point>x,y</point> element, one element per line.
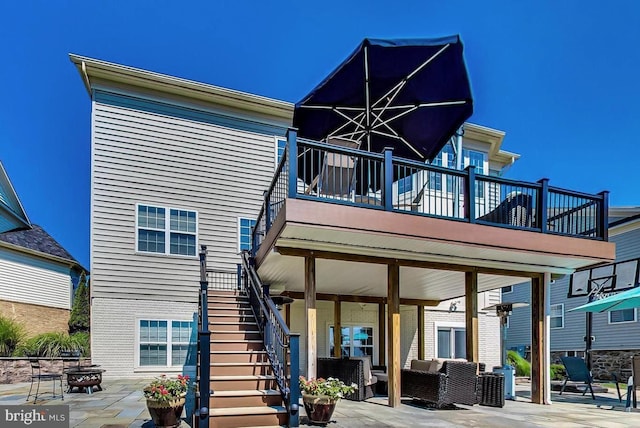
<point>166,413</point>
<point>319,408</point>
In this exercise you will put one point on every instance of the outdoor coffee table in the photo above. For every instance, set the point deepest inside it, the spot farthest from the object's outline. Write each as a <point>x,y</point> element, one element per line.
<point>86,378</point>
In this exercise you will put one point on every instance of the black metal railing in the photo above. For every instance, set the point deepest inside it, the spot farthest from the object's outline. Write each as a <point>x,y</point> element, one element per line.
<point>344,175</point>
<point>222,280</point>
<point>204,346</point>
<point>282,346</point>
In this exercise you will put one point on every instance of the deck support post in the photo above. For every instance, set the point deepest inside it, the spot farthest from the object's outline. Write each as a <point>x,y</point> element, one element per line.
<point>337,329</point>
<point>393,313</point>
<point>311,343</point>
<point>540,349</point>
<point>382,334</point>
<point>472,335</point>
<point>420,332</point>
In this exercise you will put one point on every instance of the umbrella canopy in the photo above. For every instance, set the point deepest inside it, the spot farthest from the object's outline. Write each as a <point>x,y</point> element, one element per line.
<point>409,94</point>
<point>626,300</point>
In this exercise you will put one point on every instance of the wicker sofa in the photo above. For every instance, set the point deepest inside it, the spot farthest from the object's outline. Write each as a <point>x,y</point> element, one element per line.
<point>452,382</point>
<point>350,370</point>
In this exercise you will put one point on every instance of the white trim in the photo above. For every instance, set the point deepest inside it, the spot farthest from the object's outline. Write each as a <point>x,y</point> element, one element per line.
<point>561,316</point>
<point>167,230</point>
<point>506,292</point>
<point>635,316</point>
<point>275,141</point>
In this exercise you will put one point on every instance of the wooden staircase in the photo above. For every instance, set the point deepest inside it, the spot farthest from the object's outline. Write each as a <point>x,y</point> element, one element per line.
<point>244,388</point>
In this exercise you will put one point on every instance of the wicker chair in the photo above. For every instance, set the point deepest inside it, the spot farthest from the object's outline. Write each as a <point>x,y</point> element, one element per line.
<point>455,382</point>
<point>349,371</point>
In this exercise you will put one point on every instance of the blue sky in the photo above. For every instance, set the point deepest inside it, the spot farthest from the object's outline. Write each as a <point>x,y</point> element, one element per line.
<point>562,79</point>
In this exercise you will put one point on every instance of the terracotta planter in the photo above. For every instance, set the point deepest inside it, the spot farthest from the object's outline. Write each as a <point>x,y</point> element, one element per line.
<point>319,408</point>
<point>166,414</point>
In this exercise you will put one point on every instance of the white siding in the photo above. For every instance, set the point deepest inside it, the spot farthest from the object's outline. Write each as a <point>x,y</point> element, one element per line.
<point>113,331</point>
<point>141,156</point>
<point>29,279</point>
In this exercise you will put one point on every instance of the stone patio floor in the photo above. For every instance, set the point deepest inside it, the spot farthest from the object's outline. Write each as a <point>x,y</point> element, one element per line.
<point>121,404</point>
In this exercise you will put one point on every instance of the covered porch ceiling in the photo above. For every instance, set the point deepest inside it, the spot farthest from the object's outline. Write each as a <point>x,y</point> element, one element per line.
<point>354,245</point>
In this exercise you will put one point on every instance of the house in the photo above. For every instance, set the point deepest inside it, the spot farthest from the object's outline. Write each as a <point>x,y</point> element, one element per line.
<point>38,274</point>
<point>615,332</point>
<point>402,272</point>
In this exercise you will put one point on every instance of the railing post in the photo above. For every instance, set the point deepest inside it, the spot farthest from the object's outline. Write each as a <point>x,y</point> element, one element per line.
<point>387,180</point>
<point>292,149</point>
<point>239,275</point>
<point>542,209</point>
<point>603,216</point>
<point>294,388</point>
<point>470,194</point>
<point>267,212</point>
<point>204,342</point>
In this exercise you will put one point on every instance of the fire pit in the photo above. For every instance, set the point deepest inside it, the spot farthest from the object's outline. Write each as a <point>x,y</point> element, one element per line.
<point>85,378</point>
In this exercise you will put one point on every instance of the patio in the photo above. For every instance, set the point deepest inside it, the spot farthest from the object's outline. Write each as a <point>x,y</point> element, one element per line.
<point>121,404</point>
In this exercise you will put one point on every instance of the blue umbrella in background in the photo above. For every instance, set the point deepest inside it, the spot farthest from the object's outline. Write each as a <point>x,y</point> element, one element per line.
<point>626,300</point>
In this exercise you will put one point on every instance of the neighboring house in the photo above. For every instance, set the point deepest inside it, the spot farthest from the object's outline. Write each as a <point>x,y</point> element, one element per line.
<point>177,164</point>
<point>37,273</point>
<point>616,333</point>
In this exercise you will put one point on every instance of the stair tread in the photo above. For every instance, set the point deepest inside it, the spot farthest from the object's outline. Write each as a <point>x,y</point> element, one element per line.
<point>242,377</point>
<point>236,340</point>
<point>232,322</point>
<point>257,363</point>
<point>236,332</point>
<point>245,392</point>
<point>239,352</point>
<point>239,411</point>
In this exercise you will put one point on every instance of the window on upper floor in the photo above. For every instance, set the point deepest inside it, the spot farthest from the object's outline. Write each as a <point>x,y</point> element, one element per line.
<point>507,289</point>
<point>477,159</point>
<point>405,184</point>
<point>163,343</point>
<point>281,144</point>
<point>556,316</point>
<point>157,232</point>
<point>622,315</point>
<point>244,233</point>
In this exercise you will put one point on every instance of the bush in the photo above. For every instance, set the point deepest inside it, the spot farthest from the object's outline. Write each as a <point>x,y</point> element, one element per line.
<point>11,335</point>
<point>51,344</point>
<point>523,367</point>
<point>558,372</point>
<point>79,321</point>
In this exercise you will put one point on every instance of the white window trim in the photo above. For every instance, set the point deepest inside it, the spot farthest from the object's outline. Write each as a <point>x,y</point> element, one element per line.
<point>561,316</point>
<point>136,353</point>
<point>374,327</point>
<point>506,292</point>
<point>439,325</point>
<point>635,317</point>
<point>238,234</point>
<point>167,230</point>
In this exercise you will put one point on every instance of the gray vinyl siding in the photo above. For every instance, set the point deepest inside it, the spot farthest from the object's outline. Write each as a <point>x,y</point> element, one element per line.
<point>608,336</point>
<point>173,158</point>
<point>33,280</point>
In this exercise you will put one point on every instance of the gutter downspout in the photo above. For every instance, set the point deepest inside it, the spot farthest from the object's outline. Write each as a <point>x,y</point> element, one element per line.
<point>85,77</point>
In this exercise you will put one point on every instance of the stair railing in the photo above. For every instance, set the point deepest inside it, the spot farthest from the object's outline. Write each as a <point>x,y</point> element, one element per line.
<point>204,346</point>
<point>279,342</point>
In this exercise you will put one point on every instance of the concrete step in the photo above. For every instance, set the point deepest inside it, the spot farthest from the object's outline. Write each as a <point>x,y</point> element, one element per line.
<point>246,398</point>
<point>236,417</point>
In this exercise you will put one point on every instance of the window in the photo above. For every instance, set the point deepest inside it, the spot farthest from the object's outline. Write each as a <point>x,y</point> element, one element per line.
<point>556,316</point>
<point>474,158</point>
<point>451,342</point>
<point>405,184</point>
<point>507,289</point>
<point>357,341</point>
<point>244,233</point>
<point>622,315</point>
<point>156,229</point>
<point>280,147</point>
<point>435,178</point>
<point>163,342</point>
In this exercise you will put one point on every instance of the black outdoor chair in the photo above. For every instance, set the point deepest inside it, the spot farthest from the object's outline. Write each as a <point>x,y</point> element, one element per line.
<point>37,375</point>
<point>577,371</point>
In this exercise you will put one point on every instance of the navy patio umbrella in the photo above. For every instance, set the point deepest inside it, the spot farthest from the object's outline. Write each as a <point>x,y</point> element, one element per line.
<point>409,94</point>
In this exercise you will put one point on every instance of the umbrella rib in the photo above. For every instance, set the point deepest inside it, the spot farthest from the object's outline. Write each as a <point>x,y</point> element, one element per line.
<point>349,120</point>
<point>401,139</point>
<point>386,122</point>
<point>319,107</point>
<point>413,73</point>
<point>435,104</point>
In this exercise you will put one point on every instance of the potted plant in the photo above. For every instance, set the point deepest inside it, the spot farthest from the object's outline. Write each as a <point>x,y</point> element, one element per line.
<point>165,399</point>
<point>320,397</point>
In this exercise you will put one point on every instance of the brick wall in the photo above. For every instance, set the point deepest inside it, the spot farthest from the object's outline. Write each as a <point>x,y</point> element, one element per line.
<point>36,319</point>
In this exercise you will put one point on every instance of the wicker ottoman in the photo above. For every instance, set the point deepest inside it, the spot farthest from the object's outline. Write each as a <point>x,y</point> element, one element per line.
<point>491,389</point>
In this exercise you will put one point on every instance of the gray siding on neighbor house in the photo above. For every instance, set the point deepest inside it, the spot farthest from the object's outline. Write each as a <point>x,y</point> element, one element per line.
<point>173,157</point>
<point>571,336</point>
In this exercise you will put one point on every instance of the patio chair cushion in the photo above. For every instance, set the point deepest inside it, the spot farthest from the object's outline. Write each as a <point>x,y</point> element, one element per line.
<point>369,378</point>
<point>438,363</point>
<point>421,365</point>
